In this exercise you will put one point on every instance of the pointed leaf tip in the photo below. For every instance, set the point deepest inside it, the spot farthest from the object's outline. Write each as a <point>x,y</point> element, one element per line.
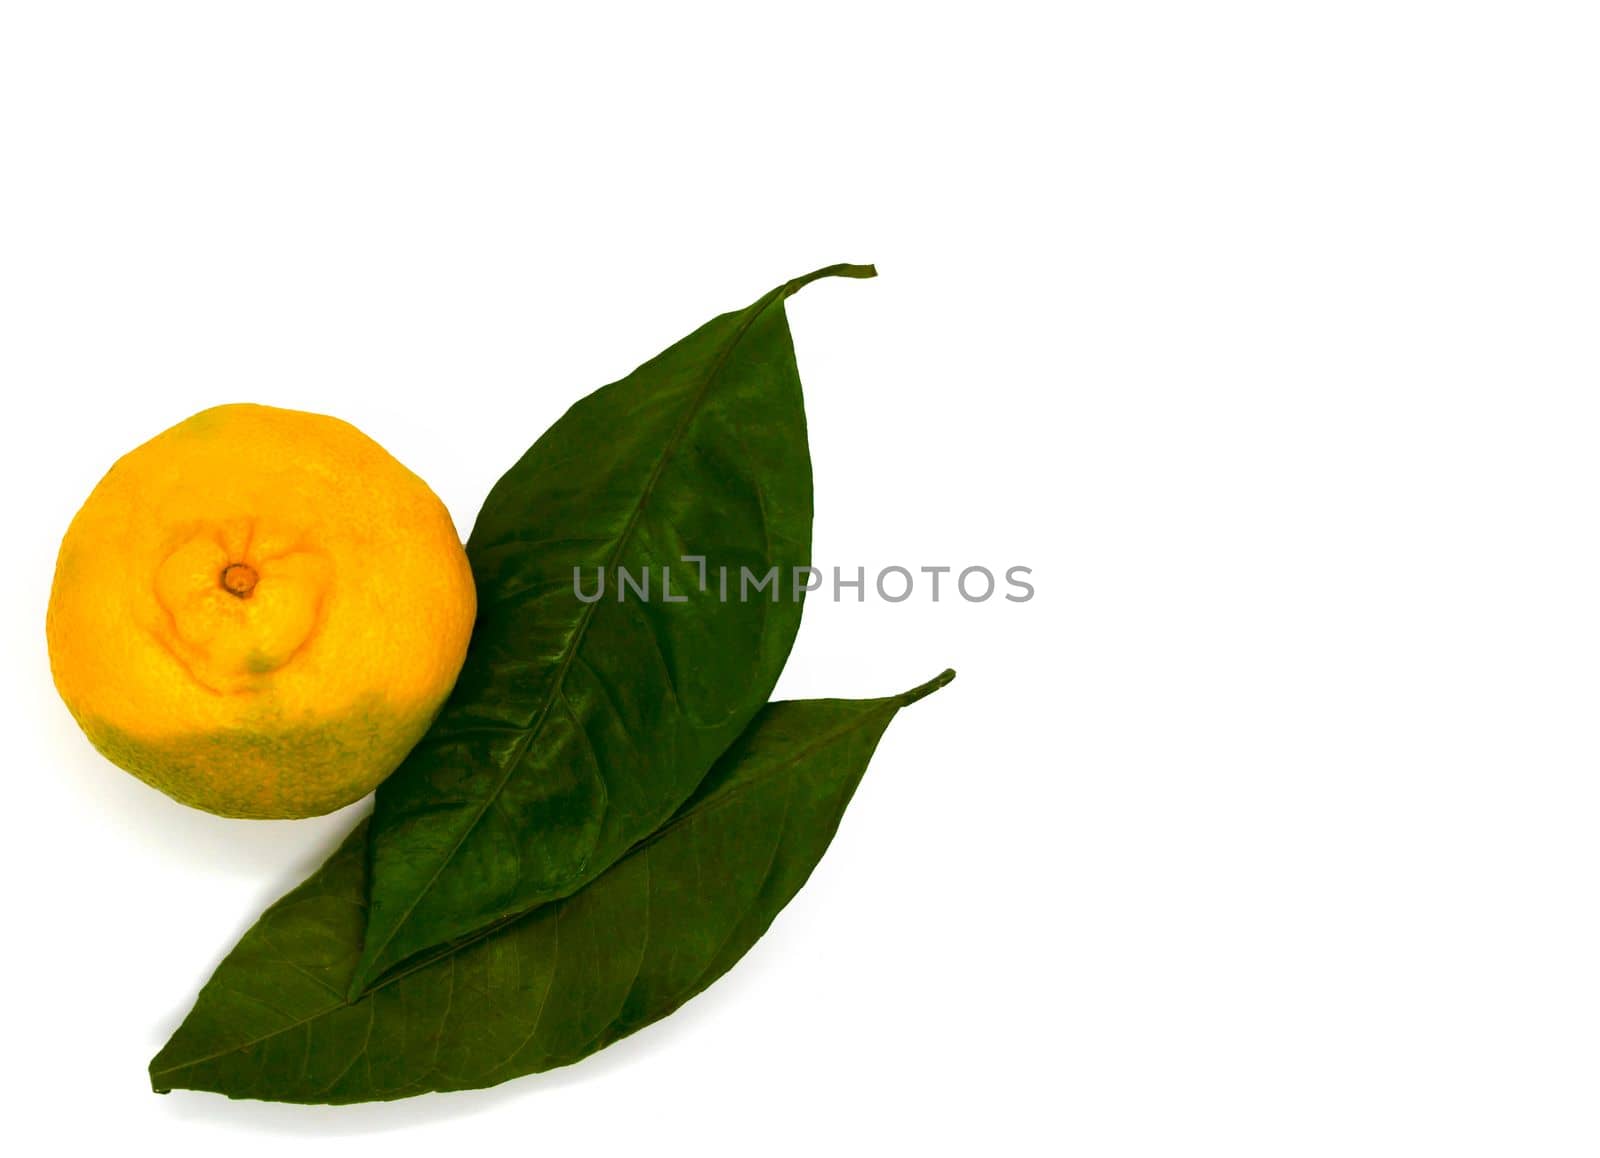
<point>927,689</point>
<point>844,269</point>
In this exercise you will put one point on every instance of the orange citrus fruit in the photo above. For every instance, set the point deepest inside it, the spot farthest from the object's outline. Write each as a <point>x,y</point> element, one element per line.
<point>259,612</point>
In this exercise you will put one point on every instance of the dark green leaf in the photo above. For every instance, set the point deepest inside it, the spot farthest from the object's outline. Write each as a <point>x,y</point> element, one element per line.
<point>575,727</point>
<point>550,987</point>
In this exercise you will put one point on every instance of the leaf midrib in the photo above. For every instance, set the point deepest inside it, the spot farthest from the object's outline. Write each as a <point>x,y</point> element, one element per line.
<point>585,617</point>
<point>711,805</point>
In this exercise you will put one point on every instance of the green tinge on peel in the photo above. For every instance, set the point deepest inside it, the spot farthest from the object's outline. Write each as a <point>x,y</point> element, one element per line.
<point>257,772</point>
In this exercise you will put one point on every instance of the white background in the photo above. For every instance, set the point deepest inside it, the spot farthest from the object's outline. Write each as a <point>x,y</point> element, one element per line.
<point>1264,333</point>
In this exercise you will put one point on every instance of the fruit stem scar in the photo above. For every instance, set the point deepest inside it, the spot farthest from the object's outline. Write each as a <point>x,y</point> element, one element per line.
<point>239,579</point>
